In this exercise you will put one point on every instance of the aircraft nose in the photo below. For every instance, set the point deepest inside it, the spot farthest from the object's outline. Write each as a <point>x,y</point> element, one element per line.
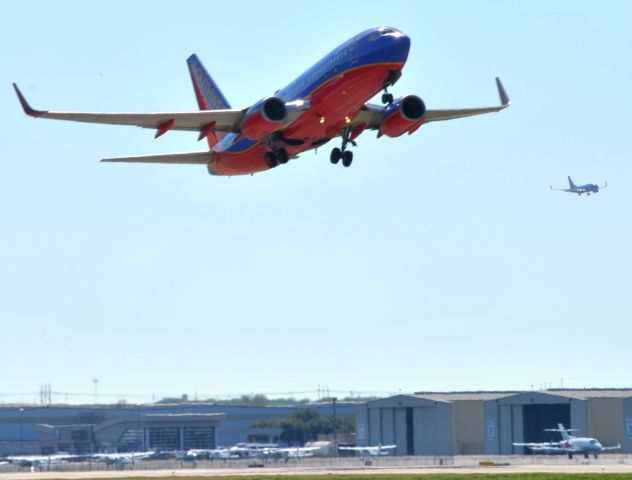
<point>398,46</point>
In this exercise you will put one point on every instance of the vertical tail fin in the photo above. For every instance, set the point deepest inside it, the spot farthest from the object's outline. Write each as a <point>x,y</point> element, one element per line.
<point>563,431</point>
<point>571,185</point>
<point>207,93</point>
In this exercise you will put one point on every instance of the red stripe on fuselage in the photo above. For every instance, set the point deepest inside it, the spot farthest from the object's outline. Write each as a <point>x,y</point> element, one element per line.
<point>342,96</point>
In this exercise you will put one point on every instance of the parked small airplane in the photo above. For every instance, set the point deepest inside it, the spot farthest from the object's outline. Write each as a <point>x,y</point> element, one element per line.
<point>42,461</point>
<point>569,445</point>
<point>327,101</point>
<point>379,450</point>
<point>124,458</point>
<point>210,454</point>
<point>579,189</point>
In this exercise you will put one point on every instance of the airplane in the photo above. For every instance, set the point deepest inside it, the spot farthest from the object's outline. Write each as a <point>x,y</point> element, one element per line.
<point>290,452</point>
<point>579,189</point>
<point>569,445</point>
<point>210,454</point>
<point>41,461</point>
<point>327,101</point>
<point>251,450</point>
<point>123,458</point>
<point>379,450</point>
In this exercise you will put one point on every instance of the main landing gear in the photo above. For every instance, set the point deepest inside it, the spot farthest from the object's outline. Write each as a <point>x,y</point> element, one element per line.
<point>276,157</point>
<point>342,153</point>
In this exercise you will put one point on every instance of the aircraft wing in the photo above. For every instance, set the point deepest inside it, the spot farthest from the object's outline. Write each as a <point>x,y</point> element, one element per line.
<point>614,447</point>
<point>191,158</point>
<point>548,447</point>
<point>226,120</point>
<point>373,115</point>
<point>374,449</point>
<point>438,115</point>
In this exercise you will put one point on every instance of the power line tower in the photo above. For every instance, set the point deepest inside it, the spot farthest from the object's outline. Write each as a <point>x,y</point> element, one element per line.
<point>46,394</point>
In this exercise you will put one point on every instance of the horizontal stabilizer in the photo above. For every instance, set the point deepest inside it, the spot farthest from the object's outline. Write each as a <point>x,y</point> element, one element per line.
<point>191,158</point>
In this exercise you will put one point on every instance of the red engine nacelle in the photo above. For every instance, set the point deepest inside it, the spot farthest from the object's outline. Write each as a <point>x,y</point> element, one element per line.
<point>405,114</point>
<point>264,118</point>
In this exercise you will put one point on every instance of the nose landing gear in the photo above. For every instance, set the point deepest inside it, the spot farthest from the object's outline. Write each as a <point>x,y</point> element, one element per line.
<point>393,76</point>
<point>342,153</point>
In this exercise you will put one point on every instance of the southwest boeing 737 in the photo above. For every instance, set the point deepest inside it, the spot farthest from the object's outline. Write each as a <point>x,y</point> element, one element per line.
<point>579,189</point>
<point>327,101</point>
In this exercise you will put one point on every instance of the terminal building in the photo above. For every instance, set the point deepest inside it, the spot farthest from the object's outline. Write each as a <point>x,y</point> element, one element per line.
<point>86,429</point>
<point>475,423</point>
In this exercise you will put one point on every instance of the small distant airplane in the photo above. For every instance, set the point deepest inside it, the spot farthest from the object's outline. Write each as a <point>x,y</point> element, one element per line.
<point>579,189</point>
<point>328,101</point>
<point>120,459</point>
<point>569,445</point>
<point>379,450</point>
<point>210,454</point>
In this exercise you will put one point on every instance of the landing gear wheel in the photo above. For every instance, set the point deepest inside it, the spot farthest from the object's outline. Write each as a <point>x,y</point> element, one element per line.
<point>347,158</point>
<point>282,156</point>
<point>387,98</point>
<point>271,160</point>
<point>336,155</point>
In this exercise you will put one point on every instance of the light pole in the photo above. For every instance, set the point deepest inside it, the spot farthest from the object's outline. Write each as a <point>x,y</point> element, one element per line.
<point>21,431</point>
<point>335,425</point>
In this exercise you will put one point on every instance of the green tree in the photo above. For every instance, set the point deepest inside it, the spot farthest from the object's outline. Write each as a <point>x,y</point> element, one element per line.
<point>305,425</point>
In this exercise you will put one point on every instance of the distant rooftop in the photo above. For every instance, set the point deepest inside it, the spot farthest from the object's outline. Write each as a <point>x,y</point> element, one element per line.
<point>494,395</point>
<point>461,396</point>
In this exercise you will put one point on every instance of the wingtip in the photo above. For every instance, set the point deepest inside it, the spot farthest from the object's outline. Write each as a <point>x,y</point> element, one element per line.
<point>504,98</point>
<point>25,105</point>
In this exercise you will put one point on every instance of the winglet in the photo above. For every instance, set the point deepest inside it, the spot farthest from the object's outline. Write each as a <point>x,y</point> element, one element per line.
<point>504,99</point>
<point>25,105</point>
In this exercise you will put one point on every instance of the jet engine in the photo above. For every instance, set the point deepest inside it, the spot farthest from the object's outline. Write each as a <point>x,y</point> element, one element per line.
<point>405,114</point>
<point>263,118</point>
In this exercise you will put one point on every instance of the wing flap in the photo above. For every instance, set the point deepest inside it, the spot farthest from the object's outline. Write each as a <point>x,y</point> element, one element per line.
<point>188,158</point>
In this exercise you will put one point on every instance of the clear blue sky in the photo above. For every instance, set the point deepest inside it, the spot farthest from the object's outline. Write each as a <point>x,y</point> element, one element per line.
<point>438,261</point>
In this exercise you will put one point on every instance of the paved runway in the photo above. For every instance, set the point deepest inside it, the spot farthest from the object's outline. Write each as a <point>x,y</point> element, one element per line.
<point>297,471</point>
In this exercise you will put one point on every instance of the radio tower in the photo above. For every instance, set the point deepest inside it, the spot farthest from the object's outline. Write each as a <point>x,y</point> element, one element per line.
<point>96,391</point>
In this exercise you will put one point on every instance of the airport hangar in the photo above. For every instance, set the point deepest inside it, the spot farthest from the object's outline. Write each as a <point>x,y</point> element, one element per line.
<point>487,423</point>
<point>34,430</point>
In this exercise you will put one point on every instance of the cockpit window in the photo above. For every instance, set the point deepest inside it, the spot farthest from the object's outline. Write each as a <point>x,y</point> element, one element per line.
<point>384,32</point>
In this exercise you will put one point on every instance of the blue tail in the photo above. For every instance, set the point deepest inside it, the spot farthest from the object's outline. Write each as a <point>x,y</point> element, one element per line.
<point>209,96</point>
<point>571,185</point>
